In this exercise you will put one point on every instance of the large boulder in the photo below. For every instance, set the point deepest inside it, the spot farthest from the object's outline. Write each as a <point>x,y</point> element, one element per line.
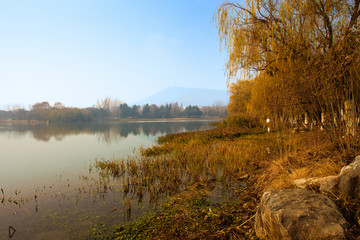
<point>298,214</point>
<point>349,179</point>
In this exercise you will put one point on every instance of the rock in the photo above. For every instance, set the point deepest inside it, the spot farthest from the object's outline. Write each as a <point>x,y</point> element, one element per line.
<point>302,182</point>
<point>347,182</point>
<point>298,214</point>
<point>349,179</point>
<point>325,184</point>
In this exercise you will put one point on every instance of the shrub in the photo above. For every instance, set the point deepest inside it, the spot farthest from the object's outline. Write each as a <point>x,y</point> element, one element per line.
<point>242,120</point>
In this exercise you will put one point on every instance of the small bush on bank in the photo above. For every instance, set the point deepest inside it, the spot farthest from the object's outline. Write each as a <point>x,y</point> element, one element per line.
<point>242,120</point>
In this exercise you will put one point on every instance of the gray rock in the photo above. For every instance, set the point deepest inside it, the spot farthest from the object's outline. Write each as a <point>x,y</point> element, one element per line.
<point>298,214</point>
<point>349,179</point>
<point>325,184</point>
<point>302,182</point>
<point>347,182</point>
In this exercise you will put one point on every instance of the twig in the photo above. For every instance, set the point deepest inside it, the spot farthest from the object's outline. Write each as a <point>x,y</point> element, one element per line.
<point>247,221</point>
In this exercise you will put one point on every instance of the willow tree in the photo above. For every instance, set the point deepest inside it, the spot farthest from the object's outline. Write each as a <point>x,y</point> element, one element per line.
<point>240,96</point>
<point>305,51</point>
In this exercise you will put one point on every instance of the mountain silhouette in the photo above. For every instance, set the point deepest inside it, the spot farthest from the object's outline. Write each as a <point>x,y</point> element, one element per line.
<point>187,96</point>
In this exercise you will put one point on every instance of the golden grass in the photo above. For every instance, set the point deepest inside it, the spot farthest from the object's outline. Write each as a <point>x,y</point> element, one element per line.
<point>224,155</point>
<point>313,155</point>
<point>221,157</point>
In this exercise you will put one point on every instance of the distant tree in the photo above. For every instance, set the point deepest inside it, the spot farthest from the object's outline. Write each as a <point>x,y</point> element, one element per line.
<point>145,113</point>
<point>40,111</point>
<point>13,108</point>
<point>135,111</point>
<point>40,106</point>
<point>216,110</point>
<point>98,113</point>
<point>4,114</point>
<point>69,115</point>
<point>164,111</point>
<point>192,111</point>
<point>154,111</point>
<point>20,114</point>
<point>175,111</point>
<point>103,103</point>
<point>59,105</point>
<point>111,104</point>
<point>125,110</point>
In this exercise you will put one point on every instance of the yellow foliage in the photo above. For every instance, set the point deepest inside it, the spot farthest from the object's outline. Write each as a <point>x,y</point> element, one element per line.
<point>302,55</point>
<point>240,96</point>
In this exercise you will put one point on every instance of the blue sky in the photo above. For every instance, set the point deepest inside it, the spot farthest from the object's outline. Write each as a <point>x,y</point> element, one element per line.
<point>78,51</point>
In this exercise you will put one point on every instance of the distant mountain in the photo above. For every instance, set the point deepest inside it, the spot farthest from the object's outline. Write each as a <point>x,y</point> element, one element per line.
<point>187,96</point>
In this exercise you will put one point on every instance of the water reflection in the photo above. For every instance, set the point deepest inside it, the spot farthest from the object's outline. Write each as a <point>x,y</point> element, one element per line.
<point>108,132</point>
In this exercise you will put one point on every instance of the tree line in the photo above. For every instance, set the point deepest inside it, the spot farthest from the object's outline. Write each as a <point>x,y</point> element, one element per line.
<point>109,108</point>
<point>294,61</point>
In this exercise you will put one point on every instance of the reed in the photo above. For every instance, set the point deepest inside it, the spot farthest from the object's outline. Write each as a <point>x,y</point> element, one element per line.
<point>221,155</point>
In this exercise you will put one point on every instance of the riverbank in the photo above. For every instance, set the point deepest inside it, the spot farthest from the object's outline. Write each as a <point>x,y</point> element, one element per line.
<point>20,122</point>
<point>215,180</point>
<point>117,120</point>
<point>110,120</point>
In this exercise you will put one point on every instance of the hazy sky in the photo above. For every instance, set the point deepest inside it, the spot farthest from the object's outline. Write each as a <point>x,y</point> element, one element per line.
<point>78,51</point>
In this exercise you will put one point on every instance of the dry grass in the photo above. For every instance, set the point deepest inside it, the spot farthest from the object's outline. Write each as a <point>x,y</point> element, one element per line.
<point>312,154</point>
<point>219,159</point>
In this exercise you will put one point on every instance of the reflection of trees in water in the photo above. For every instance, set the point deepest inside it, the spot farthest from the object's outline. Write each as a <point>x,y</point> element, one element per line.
<point>172,127</point>
<point>108,136</point>
<point>11,134</point>
<point>59,132</point>
<point>107,132</point>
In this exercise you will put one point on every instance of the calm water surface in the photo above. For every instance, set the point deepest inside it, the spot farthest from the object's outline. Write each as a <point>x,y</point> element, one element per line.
<point>47,191</point>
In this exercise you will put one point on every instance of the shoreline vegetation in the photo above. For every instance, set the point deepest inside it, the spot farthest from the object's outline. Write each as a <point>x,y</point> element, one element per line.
<point>21,122</point>
<point>114,120</point>
<point>107,110</point>
<point>212,180</point>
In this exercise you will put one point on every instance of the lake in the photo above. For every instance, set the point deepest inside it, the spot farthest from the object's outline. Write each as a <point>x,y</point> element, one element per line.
<point>47,188</point>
